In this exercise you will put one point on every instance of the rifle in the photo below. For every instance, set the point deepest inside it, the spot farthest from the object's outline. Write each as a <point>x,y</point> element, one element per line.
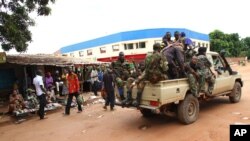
<point>222,54</point>
<point>136,68</point>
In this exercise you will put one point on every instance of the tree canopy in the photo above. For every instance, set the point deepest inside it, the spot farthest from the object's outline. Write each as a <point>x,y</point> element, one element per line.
<point>232,43</point>
<point>15,21</point>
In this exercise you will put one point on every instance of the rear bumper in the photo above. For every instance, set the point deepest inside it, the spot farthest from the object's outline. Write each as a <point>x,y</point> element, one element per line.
<point>153,109</point>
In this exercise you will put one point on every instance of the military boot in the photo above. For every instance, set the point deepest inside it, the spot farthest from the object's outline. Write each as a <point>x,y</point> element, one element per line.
<point>122,97</point>
<point>138,99</point>
<point>128,100</point>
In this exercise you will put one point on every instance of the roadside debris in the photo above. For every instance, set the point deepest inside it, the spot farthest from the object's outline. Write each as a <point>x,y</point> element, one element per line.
<point>20,121</point>
<point>239,123</point>
<point>245,118</point>
<point>144,127</point>
<point>100,116</point>
<point>236,113</point>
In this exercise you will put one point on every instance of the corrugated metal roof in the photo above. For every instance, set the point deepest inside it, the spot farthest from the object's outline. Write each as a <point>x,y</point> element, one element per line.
<point>48,60</point>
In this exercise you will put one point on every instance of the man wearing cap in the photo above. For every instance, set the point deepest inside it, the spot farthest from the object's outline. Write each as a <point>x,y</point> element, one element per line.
<point>188,49</point>
<point>167,39</point>
<point>177,41</point>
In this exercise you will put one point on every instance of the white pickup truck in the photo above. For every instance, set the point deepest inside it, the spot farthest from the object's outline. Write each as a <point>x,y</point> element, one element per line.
<point>173,97</point>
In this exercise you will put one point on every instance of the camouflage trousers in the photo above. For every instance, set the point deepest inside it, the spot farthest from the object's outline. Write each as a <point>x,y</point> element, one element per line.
<point>206,77</point>
<point>140,85</point>
<point>120,85</point>
<point>129,83</point>
<point>211,81</point>
<point>193,84</point>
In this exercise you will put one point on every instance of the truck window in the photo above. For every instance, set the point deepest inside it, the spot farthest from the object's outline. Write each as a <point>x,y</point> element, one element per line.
<point>217,63</point>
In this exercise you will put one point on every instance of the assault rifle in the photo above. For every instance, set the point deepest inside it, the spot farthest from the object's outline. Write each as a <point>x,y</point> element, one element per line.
<point>222,54</point>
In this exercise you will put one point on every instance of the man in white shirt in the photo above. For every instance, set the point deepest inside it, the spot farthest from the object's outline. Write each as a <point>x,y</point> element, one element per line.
<point>40,92</point>
<point>94,80</point>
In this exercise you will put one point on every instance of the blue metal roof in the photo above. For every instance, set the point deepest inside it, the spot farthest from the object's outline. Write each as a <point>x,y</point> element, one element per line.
<point>132,35</point>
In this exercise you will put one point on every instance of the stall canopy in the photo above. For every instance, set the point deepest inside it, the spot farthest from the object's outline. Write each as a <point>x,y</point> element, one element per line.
<point>49,60</point>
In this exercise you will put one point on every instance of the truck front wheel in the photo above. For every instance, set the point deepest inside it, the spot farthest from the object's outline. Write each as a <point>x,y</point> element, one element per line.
<point>235,96</point>
<point>188,109</point>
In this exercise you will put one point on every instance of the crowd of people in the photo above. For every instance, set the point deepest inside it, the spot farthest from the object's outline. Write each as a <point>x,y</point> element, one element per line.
<point>171,59</point>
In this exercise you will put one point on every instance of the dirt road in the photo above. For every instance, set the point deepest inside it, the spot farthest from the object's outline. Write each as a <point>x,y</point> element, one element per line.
<point>96,124</point>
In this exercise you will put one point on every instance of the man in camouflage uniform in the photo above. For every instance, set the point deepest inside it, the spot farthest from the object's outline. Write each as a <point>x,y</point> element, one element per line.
<point>193,76</point>
<point>205,71</point>
<point>155,71</point>
<point>121,70</point>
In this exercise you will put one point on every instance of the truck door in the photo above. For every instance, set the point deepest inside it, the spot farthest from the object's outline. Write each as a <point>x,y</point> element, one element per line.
<point>223,78</point>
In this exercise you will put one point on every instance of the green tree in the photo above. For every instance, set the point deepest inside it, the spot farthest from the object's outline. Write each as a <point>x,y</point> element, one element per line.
<point>15,21</point>
<point>246,42</point>
<point>230,42</point>
<point>218,41</point>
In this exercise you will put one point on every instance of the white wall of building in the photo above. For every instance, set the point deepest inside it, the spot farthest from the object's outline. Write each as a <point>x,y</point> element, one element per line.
<point>110,50</point>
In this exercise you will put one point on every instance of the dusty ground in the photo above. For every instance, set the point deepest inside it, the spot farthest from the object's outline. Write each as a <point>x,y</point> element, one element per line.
<point>96,124</point>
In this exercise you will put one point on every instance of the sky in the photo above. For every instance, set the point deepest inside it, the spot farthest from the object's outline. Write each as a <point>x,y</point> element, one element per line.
<point>74,21</point>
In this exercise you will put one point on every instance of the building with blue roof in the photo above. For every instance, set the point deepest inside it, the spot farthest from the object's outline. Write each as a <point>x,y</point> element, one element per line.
<point>135,44</point>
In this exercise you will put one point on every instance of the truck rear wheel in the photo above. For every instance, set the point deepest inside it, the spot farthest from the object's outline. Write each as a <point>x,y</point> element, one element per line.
<point>235,96</point>
<point>188,109</point>
<point>146,112</point>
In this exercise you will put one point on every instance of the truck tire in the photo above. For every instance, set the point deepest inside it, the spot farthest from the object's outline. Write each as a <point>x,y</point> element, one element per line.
<point>235,96</point>
<point>188,109</point>
<point>146,112</point>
